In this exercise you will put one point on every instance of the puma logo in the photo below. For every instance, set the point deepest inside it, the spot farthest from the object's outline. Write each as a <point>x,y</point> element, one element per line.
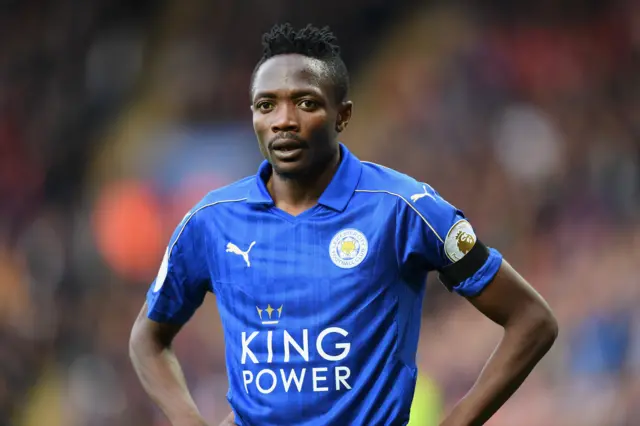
<point>232,248</point>
<point>416,197</point>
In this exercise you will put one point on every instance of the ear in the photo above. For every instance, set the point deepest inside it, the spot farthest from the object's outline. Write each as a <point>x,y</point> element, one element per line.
<point>344,115</point>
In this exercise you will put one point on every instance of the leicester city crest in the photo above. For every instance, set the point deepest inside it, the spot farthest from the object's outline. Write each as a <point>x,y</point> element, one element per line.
<point>348,248</point>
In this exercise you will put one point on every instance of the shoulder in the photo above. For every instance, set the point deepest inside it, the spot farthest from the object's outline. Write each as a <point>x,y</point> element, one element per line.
<point>233,194</point>
<point>379,179</point>
<point>415,200</point>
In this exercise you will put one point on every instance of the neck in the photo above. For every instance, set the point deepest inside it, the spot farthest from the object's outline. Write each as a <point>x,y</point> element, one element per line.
<point>298,193</point>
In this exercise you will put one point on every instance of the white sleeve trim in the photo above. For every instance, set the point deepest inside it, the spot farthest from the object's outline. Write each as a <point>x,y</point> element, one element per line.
<point>381,191</point>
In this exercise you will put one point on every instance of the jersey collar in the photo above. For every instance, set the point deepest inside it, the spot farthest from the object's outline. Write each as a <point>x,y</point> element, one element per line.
<point>336,196</point>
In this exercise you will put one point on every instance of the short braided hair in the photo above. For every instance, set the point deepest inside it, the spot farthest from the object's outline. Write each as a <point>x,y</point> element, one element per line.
<point>310,41</point>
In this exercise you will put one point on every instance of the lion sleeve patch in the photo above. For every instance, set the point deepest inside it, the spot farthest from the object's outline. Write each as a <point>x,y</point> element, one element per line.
<point>459,241</point>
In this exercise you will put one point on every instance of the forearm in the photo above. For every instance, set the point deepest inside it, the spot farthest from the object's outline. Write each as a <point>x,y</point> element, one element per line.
<point>521,348</point>
<point>162,377</point>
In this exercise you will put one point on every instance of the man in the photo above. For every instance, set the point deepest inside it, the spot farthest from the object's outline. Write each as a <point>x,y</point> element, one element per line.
<point>318,265</point>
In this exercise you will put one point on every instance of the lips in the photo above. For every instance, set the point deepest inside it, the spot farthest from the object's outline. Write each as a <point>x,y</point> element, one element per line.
<point>286,145</point>
<point>287,149</point>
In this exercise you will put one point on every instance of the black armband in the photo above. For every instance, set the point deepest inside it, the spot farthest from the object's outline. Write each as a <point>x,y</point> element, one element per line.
<point>465,268</point>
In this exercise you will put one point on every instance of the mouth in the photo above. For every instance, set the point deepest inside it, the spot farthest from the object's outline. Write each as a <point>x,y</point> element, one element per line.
<point>287,149</point>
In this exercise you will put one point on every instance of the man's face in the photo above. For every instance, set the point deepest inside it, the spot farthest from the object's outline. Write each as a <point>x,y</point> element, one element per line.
<point>295,114</point>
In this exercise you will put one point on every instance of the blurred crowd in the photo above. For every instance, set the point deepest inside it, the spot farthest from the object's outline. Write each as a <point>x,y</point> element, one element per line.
<point>116,117</point>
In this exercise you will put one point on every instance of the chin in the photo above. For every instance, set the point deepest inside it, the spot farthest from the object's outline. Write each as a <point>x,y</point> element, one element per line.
<point>289,169</point>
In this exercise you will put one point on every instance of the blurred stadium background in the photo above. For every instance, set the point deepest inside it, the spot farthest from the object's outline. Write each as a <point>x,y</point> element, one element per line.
<point>116,116</point>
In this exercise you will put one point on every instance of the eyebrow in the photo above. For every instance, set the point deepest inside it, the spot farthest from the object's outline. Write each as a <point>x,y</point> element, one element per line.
<point>299,93</point>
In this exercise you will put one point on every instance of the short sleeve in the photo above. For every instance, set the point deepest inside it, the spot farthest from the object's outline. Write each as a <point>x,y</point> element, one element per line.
<point>432,234</point>
<point>183,280</point>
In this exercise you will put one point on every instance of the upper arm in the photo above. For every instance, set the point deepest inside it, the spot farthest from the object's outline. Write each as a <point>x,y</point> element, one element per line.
<point>183,278</point>
<point>434,235</point>
<point>509,297</point>
<point>161,333</point>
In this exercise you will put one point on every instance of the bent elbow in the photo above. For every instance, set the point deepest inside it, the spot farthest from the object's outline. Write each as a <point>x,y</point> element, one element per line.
<point>137,338</point>
<point>544,328</point>
<point>551,328</point>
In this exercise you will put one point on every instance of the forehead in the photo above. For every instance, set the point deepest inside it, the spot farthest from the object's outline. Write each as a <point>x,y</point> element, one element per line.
<point>287,73</point>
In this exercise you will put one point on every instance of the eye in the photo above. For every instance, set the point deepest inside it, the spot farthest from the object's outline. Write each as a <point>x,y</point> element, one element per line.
<point>264,106</point>
<point>308,104</point>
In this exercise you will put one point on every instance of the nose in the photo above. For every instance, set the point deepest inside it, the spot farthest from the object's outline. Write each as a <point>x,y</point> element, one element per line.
<point>285,119</point>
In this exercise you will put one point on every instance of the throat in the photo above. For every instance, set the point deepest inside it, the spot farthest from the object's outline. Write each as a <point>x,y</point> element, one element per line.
<point>295,195</point>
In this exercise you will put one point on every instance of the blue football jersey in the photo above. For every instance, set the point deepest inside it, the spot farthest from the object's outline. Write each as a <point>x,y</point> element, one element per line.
<point>321,311</point>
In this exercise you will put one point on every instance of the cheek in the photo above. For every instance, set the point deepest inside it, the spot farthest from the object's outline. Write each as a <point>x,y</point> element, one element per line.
<point>259,124</point>
<point>320,125</point>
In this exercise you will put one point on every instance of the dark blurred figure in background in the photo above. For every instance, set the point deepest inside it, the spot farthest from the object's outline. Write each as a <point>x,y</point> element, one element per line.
<point>110,109</point>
